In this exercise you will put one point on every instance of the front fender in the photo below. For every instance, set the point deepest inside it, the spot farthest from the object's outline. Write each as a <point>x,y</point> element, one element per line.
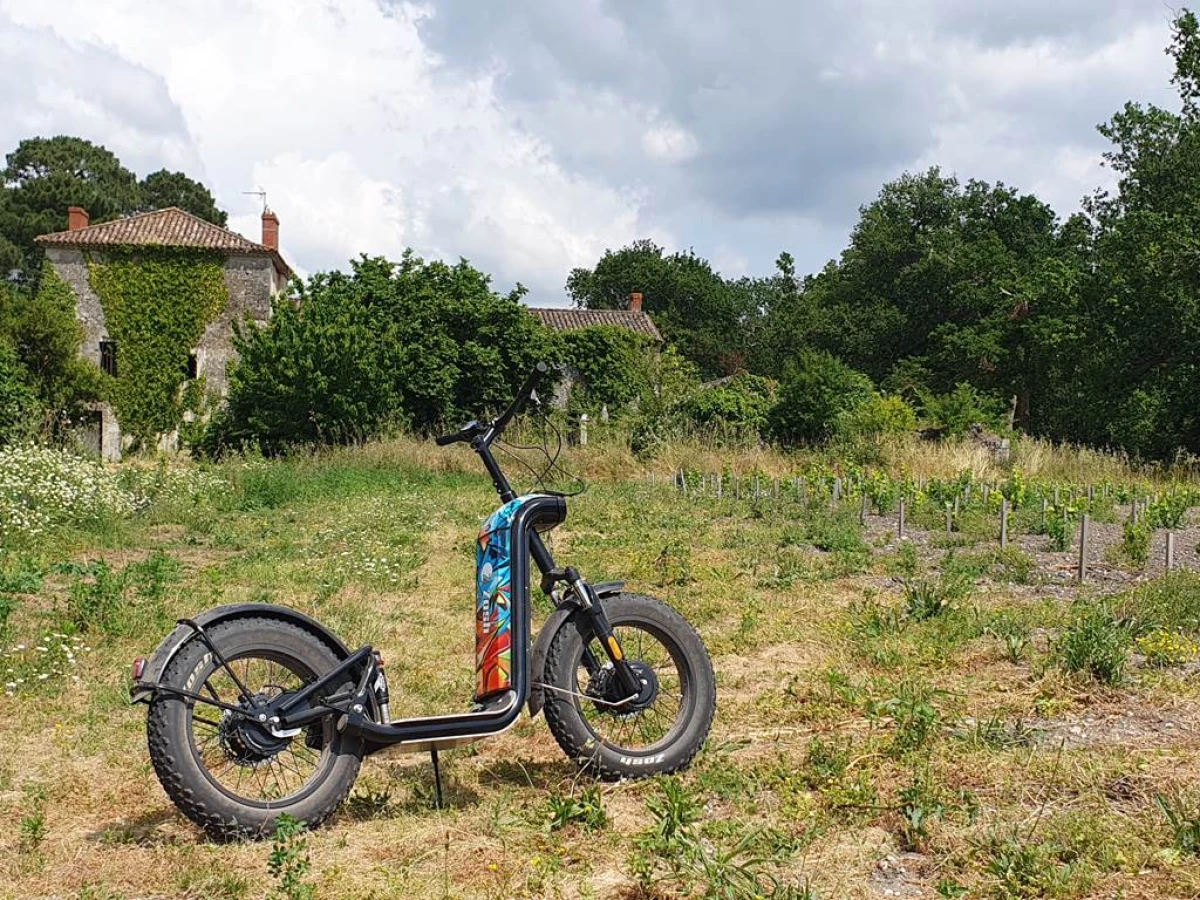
<point>541,647</point>
<point>143,689</point>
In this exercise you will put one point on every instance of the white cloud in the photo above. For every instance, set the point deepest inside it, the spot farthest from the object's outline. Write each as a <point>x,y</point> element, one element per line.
<point>669,143</point>
<point>531,135</point>
<point>345,118</point>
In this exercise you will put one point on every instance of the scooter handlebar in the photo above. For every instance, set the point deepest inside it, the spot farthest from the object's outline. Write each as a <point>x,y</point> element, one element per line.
<point>473,428</point>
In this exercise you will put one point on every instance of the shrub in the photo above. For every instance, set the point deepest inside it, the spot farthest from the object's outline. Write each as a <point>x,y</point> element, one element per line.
<point>961,408</point>
<point>883,415</point>
<point>742,401</point>
<point>813,395</point>
<point>42,328</point>
<point>20,412</point>
<point>1170,509</point>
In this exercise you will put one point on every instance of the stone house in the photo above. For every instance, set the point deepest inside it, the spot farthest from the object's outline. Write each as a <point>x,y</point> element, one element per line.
<point>634,318</point>
<point>254,274</point>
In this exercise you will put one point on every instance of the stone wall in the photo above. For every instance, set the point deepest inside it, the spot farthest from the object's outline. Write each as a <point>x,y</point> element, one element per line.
<point>252,281</point>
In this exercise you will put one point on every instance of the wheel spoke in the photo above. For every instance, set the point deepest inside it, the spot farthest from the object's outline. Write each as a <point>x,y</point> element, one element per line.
<point>242,760</point>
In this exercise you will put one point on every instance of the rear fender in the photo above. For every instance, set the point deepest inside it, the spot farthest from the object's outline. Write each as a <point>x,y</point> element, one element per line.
<point>541,647</point>
<point>156,665</point>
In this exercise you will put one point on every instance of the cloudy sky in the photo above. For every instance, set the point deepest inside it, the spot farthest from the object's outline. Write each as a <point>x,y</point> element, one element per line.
<point>529,135</point>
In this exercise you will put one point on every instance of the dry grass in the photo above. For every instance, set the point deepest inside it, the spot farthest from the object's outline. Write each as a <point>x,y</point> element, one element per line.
<point>801,652</point>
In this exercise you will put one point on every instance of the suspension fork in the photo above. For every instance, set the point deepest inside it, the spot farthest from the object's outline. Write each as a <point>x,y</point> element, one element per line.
<point>603,630</point>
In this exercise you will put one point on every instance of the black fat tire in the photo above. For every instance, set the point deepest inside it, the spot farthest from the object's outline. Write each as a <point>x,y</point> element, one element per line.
<point>168,725</point>
<point>567,724</point>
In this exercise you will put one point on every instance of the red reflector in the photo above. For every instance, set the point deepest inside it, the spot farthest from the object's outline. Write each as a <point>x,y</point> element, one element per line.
<point>139,666</point>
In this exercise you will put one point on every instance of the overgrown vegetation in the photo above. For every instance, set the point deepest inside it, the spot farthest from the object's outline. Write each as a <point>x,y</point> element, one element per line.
<point>879,697</point>
<point>157,302</point>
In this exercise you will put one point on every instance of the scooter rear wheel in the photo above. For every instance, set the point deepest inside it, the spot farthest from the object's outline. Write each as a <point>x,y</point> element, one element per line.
<point>227,773</point>
<point>658,732</point>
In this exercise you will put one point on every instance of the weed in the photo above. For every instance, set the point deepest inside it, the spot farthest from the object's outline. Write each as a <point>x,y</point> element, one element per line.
<point>1163,648</point>
<point>996,733</point>
<point>673,565</point>
<point>920,803</point>
<point>1011,630</point>
<point>114,602</point>
<point>835,532</point>
<point>8,605</point>
<point>925,598</point>
<point>825,762</point>
<point>32,829</point>
<point>289,862</point>
<point>915,717</point>
<point>1096,645</point>
<point>906,563</point>
<point>1183,818</point>
<point>363,805</point>
<point>872,619</point>
<point>1025,868</point>
<point>586,810</point>
<point>672,853</point>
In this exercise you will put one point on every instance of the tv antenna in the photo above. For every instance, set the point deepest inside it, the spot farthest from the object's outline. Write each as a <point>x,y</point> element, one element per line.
<point>261,194</point>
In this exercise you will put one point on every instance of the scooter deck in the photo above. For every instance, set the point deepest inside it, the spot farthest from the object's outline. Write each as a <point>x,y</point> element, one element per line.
<point>500,704</point>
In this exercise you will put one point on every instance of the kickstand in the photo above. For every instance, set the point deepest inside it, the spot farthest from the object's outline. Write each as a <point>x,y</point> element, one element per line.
<point>437,777</point>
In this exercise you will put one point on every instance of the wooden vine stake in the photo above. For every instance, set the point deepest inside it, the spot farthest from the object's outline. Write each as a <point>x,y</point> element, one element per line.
<point>900,526</point>
<point>1083,548</point>
<point>1170,562</point>
<point>1004,523</point>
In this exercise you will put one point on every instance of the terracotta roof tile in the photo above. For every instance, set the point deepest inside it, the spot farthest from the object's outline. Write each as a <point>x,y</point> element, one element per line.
<point>572,319</point>
<point>170,227</point>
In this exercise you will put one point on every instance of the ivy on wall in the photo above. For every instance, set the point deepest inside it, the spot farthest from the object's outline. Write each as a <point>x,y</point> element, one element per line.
<point>157,302</point>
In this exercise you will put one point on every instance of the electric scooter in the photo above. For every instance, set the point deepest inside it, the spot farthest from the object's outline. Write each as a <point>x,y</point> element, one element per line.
<point>257,710</point>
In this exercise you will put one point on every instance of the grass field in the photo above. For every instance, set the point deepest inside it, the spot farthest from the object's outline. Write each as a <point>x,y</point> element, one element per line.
<point>932,717</point>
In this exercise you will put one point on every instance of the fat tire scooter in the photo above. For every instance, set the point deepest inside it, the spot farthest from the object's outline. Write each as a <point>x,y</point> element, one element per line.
<point>257,710</point>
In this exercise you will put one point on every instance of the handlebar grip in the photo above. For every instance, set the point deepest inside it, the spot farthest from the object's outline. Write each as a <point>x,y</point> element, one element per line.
<point>443,439</point>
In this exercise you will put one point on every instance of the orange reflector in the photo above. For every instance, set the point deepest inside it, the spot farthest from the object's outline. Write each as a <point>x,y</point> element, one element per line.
<point>139,666</point>
<point>615,648</point>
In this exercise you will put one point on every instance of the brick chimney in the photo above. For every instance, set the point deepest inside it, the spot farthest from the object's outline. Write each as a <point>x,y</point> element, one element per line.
<point>77,217</point>
<point>635,301</point>
<point>270,229</point>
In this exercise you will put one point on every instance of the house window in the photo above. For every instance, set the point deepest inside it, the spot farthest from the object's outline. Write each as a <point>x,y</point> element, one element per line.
<point>191,369</point>
<point>108,358</point>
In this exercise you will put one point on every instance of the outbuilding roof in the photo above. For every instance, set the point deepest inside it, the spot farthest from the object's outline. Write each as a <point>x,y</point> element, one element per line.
<point>573,319</point>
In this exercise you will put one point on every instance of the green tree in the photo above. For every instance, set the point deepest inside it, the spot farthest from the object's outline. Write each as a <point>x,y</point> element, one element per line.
<point>1142,321</point>
<point>162,189</point>
<point>44,176</point>
<point>692,305</point>
<point>42,329</point>
<point>409,343</point>
<point>947,278</point>
<point>20,412</point>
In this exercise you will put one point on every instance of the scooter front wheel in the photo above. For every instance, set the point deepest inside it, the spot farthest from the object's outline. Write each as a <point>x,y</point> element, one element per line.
<point>658,731</point>
<point>226,772</point>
